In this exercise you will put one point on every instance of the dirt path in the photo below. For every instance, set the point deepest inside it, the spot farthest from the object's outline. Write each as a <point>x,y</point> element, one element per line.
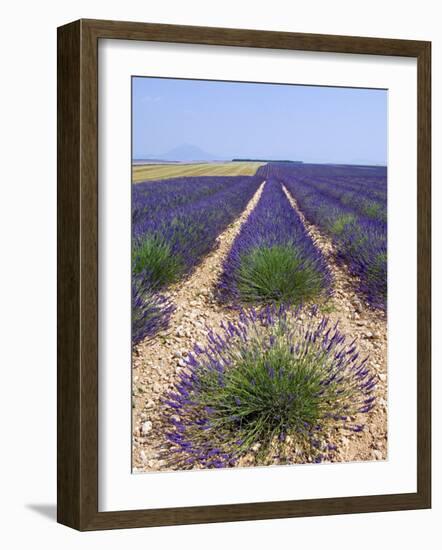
<point>357,320</point>
<point>156,363</point>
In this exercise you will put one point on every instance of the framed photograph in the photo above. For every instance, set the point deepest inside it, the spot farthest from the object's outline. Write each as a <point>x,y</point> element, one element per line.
<point>243,274</point>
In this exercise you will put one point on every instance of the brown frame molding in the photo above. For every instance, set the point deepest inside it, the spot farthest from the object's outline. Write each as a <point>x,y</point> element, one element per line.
<point>77,224</point>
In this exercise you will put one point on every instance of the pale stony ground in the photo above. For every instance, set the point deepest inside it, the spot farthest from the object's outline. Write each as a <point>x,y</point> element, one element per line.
<point>357,320</point>
<point>156,363</point>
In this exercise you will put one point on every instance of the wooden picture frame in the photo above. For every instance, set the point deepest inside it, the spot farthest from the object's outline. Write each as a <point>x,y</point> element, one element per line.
<point>78,274</point>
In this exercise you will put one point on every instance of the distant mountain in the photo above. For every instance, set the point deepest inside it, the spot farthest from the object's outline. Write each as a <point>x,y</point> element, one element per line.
<point>187,153</point>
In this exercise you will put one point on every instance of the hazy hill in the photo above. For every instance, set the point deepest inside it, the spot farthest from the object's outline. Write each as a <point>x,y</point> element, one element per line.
<point>186,153</point>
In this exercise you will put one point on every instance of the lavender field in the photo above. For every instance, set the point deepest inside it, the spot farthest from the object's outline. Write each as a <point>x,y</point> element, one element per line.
<point>259,311</point>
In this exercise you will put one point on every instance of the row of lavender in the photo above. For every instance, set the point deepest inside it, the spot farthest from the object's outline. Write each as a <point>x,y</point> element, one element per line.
<point>273,259</point>
<point>365,199</point>
<point>175,224</point>
<point>358,230</point>
<point>358,188</point>
<point>270,383</point>
<point>153,198</point>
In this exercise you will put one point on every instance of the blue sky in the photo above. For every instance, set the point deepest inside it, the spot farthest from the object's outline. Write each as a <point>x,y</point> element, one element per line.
<point>271,121</point>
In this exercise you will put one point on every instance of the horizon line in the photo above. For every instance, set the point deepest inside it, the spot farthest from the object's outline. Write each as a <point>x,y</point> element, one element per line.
<point>268,161</point>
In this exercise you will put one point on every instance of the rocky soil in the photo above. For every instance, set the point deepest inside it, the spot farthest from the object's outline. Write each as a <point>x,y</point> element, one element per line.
<point>156,363</point>
<point>357,320</point>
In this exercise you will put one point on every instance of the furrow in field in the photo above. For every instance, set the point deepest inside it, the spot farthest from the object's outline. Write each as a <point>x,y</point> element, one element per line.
<point>362,199</point>
<point>169,243</point>
<point>273,258</point>
<point>155,199</point>
<point>360,240</point>
<point>157,363</point>
<point>369,327</point>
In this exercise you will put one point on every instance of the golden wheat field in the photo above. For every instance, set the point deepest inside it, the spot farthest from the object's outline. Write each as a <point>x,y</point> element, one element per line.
<point>143,172</point>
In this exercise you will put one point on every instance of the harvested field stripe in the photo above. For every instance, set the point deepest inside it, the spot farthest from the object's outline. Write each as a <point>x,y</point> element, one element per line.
<point>144,172</point>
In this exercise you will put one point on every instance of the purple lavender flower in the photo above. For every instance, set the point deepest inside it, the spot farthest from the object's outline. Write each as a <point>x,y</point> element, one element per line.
<point>313,394</point>
<point>151,311</point>
<point>350,204</point>
<point>187,230</point>
<point>273,259</point>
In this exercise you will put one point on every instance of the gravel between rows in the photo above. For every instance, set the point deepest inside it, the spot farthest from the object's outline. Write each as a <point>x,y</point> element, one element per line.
<point>369,326</point>
<point>156,363</point>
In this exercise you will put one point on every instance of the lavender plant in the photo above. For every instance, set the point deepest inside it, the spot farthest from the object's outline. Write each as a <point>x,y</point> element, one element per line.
<point>171,245</point>
<point>151,311</point>
<point>175,223</point>
<point>364,190</point>
<point>151,199</point>
<point>268,382</point>
<point>154,254</point>
<point>361,239</point>
<point>273,259</point>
